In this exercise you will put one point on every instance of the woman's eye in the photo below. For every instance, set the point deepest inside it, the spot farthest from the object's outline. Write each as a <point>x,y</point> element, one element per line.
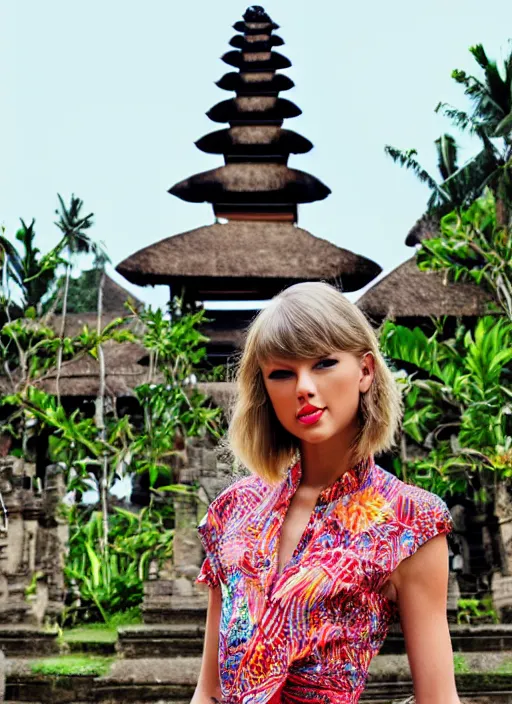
<point>279,374</point>
<point>327,362</point>
<point>286,373</point>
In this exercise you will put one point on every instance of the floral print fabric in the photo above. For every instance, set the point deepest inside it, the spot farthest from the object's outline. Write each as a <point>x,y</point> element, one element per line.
<point>310,633</point>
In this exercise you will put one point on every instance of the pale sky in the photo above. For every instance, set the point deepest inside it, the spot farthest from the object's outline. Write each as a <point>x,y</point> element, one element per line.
<point>105,99</point>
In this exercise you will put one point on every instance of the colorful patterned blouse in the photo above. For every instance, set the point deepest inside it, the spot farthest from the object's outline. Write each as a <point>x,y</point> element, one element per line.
<point>309,634</point>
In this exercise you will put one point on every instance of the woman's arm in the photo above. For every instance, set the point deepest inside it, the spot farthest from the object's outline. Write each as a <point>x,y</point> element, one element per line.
<point>421,582</point>
<point>208,684</point>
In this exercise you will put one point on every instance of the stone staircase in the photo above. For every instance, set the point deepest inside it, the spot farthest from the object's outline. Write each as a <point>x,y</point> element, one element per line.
<point>161,664</point>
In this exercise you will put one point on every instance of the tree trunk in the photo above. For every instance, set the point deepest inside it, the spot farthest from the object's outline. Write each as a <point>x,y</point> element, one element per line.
<point>100,424</point>
<point>62,330</point>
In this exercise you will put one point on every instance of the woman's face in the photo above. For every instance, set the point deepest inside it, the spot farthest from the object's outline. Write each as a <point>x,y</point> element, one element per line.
<point>319,398</point>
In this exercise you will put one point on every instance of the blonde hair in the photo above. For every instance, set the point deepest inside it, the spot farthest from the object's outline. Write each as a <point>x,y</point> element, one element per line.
<point>306,321</point>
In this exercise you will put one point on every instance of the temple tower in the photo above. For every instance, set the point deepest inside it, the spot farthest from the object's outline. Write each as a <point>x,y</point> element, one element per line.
<point>255,248</point>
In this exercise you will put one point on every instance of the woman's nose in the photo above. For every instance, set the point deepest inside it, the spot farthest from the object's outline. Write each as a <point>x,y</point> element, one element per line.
<point>305,385</point>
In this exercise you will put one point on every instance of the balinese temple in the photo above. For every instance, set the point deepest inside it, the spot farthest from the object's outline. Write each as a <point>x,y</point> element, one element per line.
<point>255,248</point>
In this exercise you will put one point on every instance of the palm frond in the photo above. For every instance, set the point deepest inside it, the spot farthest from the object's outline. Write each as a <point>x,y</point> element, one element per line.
<point>72,226</point>
<point>484,97</point>
<point>460,118</point>
<point>469,181</point>
<point>480,56</point>
<point>447,152</point>
<point>508,67</point>
<point>504,127</point>
<point>406,160</point>
<point>11,260</point>
<point>497,88</point>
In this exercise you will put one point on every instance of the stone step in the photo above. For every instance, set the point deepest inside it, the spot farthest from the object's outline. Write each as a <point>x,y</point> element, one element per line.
<point>152,680</point>
<point>187,639</point>
<point>20,640</point>
<point>160,641</point>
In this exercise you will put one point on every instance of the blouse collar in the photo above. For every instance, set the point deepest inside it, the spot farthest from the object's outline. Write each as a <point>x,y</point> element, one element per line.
<point>347,483</point>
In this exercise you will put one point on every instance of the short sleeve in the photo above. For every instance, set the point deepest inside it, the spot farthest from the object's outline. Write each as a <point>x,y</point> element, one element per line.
<point>421,515</point>
<point>434,518</point>
<point>209,531</point>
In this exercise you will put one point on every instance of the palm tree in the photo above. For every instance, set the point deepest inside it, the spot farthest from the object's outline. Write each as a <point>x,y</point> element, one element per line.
<point>32,274</point>
<point>491,121</point>
<point>458,186</point>
<point>75,241</point>
<point>446,193</point>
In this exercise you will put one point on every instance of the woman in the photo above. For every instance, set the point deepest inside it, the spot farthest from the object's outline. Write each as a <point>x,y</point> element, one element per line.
<point>311,557</point>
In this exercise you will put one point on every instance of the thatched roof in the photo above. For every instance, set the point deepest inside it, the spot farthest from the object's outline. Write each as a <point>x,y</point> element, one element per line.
<point>115,296</point>
<point>254,109</point>
<point>246,260</point>
<point>408,292</point>
<point>264,82</point>
<point>425,228</point>
<point>251,182</point>
<point>255,27</point>
<point>257,140</point>
<point>82,377</point>
<point>257,61</point>
<point>256,42</point>
<point>125,363</point>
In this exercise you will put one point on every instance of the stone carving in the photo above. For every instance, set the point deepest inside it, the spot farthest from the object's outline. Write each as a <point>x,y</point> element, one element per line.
<point>171,595</point>
<point>33,544</point>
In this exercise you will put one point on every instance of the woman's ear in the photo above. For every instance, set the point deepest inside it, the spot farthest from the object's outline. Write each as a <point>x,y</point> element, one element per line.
<point>367,372</point>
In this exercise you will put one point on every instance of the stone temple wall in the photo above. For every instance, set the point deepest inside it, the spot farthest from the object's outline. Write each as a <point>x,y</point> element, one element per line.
<point>33,544</point>
<point>171,595</point>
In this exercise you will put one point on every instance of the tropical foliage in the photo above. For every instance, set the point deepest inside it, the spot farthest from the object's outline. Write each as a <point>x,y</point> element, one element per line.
<point>457,390</point>
<point>489,119</point>
<point>458,405</point>
<point>110,549</point>
<point>106,587</point>
<point>473,246</point>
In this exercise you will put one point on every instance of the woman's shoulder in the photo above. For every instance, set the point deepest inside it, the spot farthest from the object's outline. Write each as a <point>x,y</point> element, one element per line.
<point>240,496</point>
<point>411,505</point>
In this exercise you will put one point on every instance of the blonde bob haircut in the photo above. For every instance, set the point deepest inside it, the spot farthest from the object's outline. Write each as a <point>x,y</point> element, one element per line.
<point>306,321</point>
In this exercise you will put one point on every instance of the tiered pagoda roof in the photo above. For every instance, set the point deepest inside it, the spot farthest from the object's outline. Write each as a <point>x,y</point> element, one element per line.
<point>255,147</point>
<point>260,250</point>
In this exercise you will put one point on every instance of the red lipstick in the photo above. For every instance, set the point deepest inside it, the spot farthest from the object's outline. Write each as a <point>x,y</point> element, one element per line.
<point>309,414</point>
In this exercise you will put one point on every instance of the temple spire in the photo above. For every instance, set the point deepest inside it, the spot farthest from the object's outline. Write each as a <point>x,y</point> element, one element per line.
<point>255,181</point>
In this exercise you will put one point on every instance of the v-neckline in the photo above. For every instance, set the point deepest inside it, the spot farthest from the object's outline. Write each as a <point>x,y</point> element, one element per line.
<point>299,543</point>
<point>346,482</point>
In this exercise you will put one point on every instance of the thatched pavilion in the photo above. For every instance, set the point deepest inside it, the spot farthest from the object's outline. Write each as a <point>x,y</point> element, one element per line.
<point>255,248</point>
<point>79,380</point>
<point>411,297</point>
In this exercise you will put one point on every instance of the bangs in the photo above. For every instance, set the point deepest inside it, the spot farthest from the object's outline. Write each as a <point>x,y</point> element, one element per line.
<point>299,329</point>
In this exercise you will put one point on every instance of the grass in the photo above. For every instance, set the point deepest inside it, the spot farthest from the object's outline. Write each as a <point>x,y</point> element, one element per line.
<point>460,664</point>
<point>90,634</point>
<point>72,665</point>
<point>505,668</point>
<point>102,632</point>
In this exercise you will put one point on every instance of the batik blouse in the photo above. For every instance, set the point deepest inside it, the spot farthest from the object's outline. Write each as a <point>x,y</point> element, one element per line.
<point>309,633</point>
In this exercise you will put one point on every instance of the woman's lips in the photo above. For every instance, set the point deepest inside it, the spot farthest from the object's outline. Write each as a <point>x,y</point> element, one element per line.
<point>310,418</point>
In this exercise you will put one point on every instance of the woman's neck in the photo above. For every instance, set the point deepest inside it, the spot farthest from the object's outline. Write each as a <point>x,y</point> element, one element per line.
<point>324,462</point>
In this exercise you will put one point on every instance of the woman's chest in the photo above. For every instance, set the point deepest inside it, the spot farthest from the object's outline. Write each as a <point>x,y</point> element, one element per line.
<point>311,550</point>
<point>297,527</point>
